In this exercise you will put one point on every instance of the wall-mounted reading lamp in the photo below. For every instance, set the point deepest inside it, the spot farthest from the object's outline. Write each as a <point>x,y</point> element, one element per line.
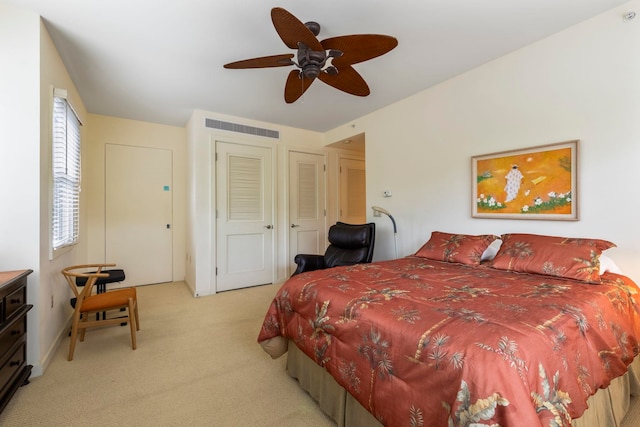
<point>377,210</point>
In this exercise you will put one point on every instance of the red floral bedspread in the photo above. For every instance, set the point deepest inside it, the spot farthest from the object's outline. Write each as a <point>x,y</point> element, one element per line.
<point>421,342</point>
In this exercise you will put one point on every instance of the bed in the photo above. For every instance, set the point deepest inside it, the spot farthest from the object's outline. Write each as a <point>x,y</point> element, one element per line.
<point>445,338</point>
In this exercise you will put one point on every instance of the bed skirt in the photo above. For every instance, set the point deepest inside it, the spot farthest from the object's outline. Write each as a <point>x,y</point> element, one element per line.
<point>606,408</point>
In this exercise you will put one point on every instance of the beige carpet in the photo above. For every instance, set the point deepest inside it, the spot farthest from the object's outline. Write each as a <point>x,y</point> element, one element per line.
<point>197,364</point>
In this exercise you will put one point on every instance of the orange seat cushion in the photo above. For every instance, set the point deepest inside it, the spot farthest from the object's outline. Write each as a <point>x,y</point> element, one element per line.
<point>119,297</point>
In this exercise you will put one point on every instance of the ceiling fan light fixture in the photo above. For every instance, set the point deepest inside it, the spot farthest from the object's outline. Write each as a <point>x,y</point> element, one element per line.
<point>313,62</point>
<point>311,71</point>
<point>310,61</point>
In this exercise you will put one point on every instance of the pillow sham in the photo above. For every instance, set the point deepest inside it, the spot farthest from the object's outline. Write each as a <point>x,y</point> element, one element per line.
<point>567,257</point>
<point>461,248</point>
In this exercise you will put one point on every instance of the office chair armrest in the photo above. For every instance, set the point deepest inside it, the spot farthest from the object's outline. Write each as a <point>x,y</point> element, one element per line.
<point>308,262</point>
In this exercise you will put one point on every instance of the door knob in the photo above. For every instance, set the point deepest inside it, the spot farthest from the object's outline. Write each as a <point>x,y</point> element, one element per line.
<point>268,227</point>
<point>295,225</point>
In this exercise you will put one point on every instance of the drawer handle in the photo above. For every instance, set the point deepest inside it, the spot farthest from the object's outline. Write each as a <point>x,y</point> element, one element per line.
<point>14,363</point>
<point>16,332</point>
<point>15,301</point>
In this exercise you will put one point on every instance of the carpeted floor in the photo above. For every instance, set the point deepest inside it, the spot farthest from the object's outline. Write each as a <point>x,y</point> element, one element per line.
<point>197,364</point>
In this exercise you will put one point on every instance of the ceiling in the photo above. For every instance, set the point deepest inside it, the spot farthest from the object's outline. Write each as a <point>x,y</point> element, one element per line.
<point>157,61</point>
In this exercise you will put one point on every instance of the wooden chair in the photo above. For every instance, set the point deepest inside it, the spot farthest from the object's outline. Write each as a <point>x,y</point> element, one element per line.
<point>87,304</point>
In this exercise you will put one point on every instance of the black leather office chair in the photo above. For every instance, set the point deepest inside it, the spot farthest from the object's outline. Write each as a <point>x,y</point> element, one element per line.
<point>349,244</point>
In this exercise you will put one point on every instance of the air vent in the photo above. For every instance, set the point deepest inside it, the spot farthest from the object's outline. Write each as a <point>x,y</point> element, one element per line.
<point>235,127</point>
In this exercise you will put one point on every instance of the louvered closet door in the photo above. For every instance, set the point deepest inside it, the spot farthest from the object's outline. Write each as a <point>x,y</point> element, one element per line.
<point>245,234</point>
<point>353,191</point>
<point>307,232</point>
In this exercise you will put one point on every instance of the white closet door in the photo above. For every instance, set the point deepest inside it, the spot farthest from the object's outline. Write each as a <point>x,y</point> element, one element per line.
<point>138,213</point>
<point>245,233</point>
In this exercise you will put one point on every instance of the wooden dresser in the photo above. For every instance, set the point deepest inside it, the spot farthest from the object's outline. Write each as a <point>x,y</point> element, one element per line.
<point>14,371</point>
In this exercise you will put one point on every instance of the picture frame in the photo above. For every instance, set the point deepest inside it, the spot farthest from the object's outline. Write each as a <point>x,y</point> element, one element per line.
<point>529,183</point>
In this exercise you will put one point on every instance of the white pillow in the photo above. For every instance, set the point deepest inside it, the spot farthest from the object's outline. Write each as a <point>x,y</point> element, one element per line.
<point>607,264</point>
<point>491,250</point>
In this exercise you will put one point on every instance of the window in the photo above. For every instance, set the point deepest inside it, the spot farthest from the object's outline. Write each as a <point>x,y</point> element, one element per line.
<point>66,172</point>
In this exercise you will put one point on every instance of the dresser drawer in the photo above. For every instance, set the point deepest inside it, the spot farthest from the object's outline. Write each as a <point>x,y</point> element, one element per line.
<point>14,301</point>
<point>13,333</point>
<point>14,371</point>
<point>11,367</point>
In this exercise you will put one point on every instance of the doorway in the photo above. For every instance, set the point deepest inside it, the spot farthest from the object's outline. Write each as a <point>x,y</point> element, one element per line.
<point>351,180</point>
<point>307,214</point>
<point>353,191</point>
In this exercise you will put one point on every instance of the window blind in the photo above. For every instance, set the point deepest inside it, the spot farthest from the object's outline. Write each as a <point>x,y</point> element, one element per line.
<point>66,174</point>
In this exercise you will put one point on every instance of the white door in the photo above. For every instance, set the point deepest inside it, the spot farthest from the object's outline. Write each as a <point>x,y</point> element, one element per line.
<point>353,209</point>
<point>138,217</point>
<point>244,197</point>
<point>307,233</point>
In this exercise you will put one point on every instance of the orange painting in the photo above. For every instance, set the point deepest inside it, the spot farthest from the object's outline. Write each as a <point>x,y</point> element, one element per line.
<point>533,183</point>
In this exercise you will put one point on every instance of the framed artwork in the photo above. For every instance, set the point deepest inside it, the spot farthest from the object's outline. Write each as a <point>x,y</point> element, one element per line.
<point>531,183</point>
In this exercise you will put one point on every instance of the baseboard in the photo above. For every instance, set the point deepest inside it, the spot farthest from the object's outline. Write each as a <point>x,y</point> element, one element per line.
<point>192,289</point>
<point>40,366</point>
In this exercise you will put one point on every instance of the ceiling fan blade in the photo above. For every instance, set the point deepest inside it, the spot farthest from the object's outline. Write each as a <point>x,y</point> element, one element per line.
<point>295,86</point>
<point>262,62</point>
<point>347,80</point>
<point>359,47</point>
<point>292,31</point>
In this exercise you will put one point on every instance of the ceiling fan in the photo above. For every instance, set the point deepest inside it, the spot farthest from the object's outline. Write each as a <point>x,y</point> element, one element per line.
<point>329,60</point>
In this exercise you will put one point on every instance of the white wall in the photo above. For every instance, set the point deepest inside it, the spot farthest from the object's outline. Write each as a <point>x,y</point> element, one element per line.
<point>582,83</point>
<point>111,130</point>
<point>53,295</point>
<point>19,140</point>
<point>25,136</point>
<point>19,137</point>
